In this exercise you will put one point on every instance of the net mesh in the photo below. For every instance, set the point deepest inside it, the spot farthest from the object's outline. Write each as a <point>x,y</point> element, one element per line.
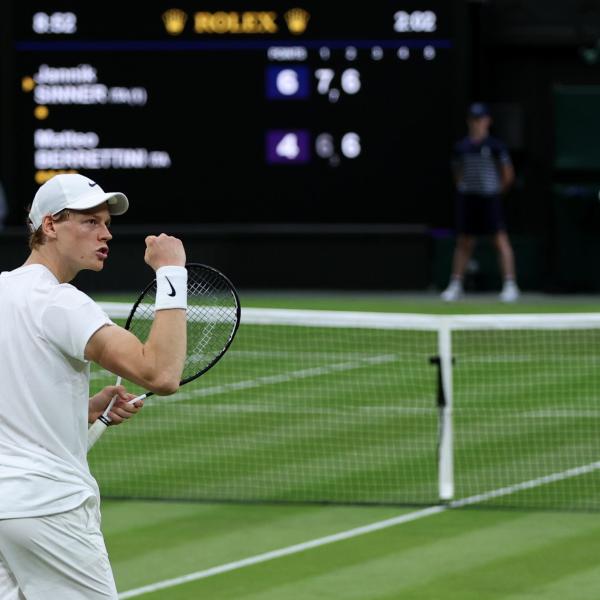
<point>333,407</point>
<point>526,412</point>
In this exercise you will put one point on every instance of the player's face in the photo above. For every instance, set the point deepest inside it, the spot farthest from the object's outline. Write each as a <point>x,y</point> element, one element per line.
<point>83,239</point>
<point>479,126</point>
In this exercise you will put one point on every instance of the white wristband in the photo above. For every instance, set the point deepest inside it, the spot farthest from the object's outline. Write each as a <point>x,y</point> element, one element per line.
<point>171,288</point>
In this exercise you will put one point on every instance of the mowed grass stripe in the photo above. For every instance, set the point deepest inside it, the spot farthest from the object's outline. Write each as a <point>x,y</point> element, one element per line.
<point>149,541</point>
<point>464,566</point>
<point>461,555</point>
<point>537,559</point>
<point>582,583</point>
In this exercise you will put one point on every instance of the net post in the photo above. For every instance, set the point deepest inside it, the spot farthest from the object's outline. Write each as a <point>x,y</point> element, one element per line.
<point>446,430</point>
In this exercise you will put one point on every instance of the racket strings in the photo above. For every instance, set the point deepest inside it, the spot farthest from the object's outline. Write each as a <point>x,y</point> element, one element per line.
<point>212,318</point>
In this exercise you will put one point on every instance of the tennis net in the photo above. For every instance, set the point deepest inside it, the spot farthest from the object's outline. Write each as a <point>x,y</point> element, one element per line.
<point>347,407</point>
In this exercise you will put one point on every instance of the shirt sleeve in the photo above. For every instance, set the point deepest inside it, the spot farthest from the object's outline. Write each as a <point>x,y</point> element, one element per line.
<point>70,320</point>
<point>503,153</point>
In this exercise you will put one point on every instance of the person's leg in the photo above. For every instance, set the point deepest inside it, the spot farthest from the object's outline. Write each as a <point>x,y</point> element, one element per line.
<point>462,253</point>
<point>9,588</point>
<point>59,556</point>
<point>510,291</point>
<point>505,255</point>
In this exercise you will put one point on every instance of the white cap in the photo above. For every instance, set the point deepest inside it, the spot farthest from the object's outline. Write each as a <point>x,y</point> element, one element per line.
<point>73,191</point>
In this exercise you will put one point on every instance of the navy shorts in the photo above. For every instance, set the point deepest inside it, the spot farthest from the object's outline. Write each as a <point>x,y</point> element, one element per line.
<point>478,215</point>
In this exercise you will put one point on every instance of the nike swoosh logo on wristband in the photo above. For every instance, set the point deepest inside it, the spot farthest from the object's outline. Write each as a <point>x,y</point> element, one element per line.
<point>173,292</point>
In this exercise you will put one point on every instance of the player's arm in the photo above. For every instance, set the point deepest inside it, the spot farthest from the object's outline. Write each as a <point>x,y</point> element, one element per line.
<point>507,175</point>
<point>505,167</point>
<point>156,364</point>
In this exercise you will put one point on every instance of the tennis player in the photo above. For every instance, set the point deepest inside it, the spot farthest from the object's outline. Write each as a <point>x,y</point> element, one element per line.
<point>51,546</point>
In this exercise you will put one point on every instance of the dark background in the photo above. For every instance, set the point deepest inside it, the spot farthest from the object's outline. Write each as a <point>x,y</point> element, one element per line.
<point>383,220</point>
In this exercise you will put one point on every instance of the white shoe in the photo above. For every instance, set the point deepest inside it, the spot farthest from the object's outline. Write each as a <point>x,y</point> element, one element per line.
<point>510,292</point>
<point>453,292</point>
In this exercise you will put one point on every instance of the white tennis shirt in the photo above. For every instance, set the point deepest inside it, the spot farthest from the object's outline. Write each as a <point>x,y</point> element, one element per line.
<point>44,393</point>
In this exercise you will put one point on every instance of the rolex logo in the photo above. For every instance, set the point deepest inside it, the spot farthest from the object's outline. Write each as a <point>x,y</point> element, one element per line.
<point>174,20</point>
<point>297,20</point>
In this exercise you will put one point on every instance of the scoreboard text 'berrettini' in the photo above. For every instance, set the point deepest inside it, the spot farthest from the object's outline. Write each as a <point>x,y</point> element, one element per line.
<point>313,112</point>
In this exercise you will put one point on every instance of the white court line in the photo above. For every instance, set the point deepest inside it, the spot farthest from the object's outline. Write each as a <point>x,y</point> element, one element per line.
<point>259,558</point>
<point>565,413</point>
<point>284,377</point>
<point>350,533</point>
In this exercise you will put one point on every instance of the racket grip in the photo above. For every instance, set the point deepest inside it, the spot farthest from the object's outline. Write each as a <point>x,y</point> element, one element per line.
<point>137,398</point>
<point>96,430</point>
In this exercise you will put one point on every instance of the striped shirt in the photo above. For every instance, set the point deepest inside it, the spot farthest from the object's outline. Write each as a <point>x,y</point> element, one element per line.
<point>478,165</point>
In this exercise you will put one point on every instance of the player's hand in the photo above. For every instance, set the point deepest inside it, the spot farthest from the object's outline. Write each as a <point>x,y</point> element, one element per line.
<point>121,409</point>
<point>164,250</point>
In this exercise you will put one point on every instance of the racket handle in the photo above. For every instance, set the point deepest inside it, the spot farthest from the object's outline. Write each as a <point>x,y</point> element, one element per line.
<point>96,430</point>
<point>102,422</point>
<point>137,398</point>
<point>111,403</point>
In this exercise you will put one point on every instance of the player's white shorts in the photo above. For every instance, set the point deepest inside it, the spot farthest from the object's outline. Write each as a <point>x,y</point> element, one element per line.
<point>57,557</point>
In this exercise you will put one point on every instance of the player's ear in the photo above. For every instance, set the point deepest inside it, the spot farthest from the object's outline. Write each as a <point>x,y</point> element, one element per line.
<point>49,226</point>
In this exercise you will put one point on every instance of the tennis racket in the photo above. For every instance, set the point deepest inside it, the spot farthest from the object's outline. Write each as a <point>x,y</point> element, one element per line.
<point>212,320</point>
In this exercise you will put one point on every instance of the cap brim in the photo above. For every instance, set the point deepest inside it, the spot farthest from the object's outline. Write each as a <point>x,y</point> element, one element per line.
<point>117,202</point>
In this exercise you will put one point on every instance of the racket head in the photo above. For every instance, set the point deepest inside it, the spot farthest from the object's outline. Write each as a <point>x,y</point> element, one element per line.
<point>213,318</point>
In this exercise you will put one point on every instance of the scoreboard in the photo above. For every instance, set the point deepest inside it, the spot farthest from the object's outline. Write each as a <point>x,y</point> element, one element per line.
<point>236,112</point>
